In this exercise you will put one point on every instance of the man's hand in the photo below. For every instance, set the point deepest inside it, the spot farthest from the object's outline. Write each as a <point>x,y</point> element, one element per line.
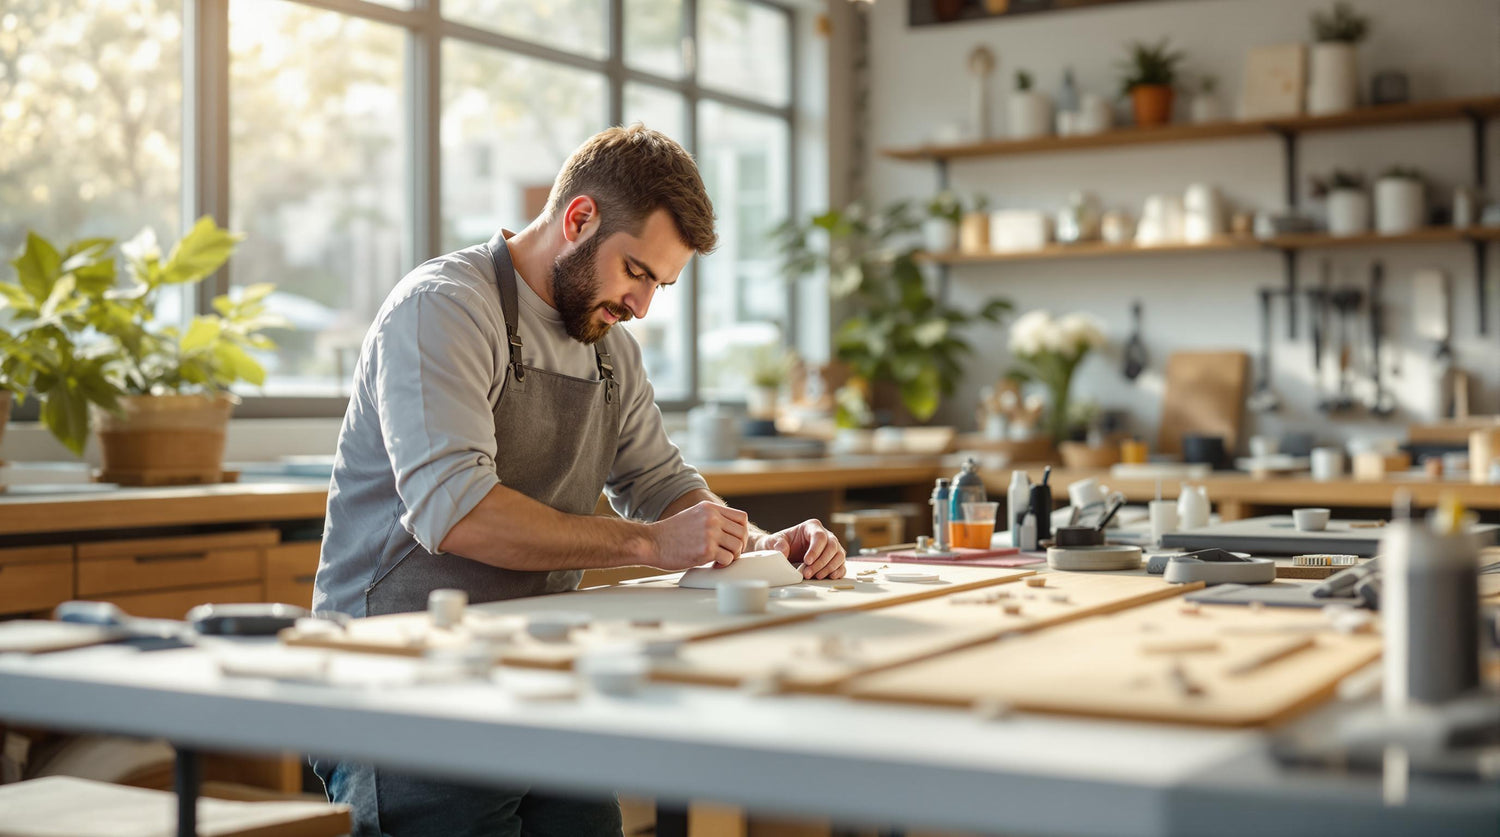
<point>811,544</point>
<point>704,532</point>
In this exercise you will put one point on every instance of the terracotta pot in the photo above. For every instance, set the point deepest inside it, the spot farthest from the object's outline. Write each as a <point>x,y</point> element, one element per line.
<point>5,402</point>
<point>164,439</point>
<point>1152,104</point>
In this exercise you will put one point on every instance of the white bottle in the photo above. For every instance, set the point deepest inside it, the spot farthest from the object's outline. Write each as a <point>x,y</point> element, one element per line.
<point>1026,534</point>
<point>1192,506</point>
<point>1017,499</point>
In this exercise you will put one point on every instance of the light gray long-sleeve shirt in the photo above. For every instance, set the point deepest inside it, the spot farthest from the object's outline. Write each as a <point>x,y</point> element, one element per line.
<point>417,448</point>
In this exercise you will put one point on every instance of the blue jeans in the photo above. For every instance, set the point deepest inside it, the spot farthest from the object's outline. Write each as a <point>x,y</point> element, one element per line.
<point>386,804</point>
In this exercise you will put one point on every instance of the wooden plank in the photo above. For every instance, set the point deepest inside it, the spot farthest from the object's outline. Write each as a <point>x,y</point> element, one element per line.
<point>1112,667</point>
<point>177,545</point>
<point>821,654</point>
<point>638,611</point>
<point>1094,249</point>
<point>1205,394</point>
<point>140,508</point>
<point>34,587</point>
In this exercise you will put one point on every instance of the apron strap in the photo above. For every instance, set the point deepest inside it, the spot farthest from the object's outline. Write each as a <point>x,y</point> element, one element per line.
<point>505,278</point>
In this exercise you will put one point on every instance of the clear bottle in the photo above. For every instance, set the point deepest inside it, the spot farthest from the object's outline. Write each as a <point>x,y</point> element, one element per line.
<point>940,498</point>
<point>1018,498</point>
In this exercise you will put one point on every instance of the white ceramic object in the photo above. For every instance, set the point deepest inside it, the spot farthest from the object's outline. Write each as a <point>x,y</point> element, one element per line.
<point>1192,506</point>
<point>446,607</point>
<point>1095,115</point>
<point>739,597</point>
<point>1203,214</point>
<point>766,565</point>
<point>911,576</point>
<point>614,674</point>
<point>1163,518</point>
<point>853,440</point>
<point>556,625</point>
<point>1206,107</point>
<point>1333,78</point>
<point>1311,520</point>
<point>1161,221</point>
<point>1465,207</point>
<point>888,440</point>
<point>1116,227</point>
<point>713,432</point>
<point>1030,114</point>
<point>1015,230</point>
<point>1348,212</point>
<point>1327,464</point>
<point>1262,447</point>
<point>939,235</point>
<point>1400,205</point>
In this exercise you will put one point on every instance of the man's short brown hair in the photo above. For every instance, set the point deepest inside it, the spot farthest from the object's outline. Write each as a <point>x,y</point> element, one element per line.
<point>630,173</point>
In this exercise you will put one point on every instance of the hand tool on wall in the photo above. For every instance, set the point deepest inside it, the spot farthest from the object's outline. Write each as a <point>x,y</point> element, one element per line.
<point>1264,399</point>
<point>1135,348</point>
<point>1346,302</point>
<point>1383,403</point>
<point>1318,308</point>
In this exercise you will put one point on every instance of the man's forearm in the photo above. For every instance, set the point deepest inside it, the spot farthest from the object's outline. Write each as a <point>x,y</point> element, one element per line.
<point>510,530</point>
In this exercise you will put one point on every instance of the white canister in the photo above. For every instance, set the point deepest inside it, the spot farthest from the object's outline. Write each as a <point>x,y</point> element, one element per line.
<point>1030,114</point>
<point>1203,213</point>
<point>1206,107</point>
<point>1095,116</point>
<point>1348,212</point>
<point>714,432</point>
<point>1163,518</point>
<point>1192,506</point>
<point>1400,205</point>
<point>1327,464</point>
<point>1465,213</point>
<point>1116,227</point>
<point>1333,78</point>
<point>939,235</point>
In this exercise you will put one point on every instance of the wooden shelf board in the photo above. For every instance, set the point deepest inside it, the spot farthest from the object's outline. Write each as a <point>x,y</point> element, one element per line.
<point>1307,241</point>
<point>1410,112</point>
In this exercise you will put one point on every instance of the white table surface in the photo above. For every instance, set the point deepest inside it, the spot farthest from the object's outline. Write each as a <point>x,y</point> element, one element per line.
<point>856,762</point>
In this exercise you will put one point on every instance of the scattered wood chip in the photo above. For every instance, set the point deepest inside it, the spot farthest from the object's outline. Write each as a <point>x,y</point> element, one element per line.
<point>1036,581</point>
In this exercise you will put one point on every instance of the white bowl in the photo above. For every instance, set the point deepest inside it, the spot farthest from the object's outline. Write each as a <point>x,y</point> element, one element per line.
<point>1311,520</point>
<point>614,674</point>
<point>555,626</point>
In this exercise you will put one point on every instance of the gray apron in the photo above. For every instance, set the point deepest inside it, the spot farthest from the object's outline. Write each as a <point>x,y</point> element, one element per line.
<point>556,438</point>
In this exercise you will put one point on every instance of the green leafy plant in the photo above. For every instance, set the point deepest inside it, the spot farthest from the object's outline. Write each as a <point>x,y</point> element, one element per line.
<point>1149,64</point>
<point>1402,173</point>
<point>770,365</point>
<point>1336,180</point>
<point>898,330</point>
<point>947,206</point>
<point>79,337</point>
<point>1023,81</point>
<point>1342,25</point>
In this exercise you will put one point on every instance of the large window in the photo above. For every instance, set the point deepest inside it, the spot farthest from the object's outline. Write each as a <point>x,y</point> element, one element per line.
<point>362,137</point>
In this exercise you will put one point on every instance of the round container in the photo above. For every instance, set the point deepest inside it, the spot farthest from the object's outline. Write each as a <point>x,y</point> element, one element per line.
<point>1311,520</point>
<point>738,598</point>
<point>555,626</point>
<point>614,674</point>
<point>1078,536</point>
<point>446,607</point>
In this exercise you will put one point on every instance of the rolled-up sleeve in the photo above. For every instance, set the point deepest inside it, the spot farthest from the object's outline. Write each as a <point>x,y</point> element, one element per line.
<point>435,364</point>
<point>649,472</point>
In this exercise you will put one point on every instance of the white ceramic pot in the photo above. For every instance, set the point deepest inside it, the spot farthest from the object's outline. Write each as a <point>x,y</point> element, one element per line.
<point>1327,464</point>
<point>1400,205</point>
<point>939,235</point>
<point>760,402</point>
<point>1348,212</point>
<point>1030,115</point>
<point>1206,107</point>
<point>1333,78</point>
<point>1204,214</point>
<point>1095,116</point>
<point>713,433</point>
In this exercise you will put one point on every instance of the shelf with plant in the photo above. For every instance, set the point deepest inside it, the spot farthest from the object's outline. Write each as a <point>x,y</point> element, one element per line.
<point>897,332</point>
<point>83,338</point>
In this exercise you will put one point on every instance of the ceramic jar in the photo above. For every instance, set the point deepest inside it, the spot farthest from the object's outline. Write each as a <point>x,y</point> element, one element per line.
<point>1348,212</point>
<point>1400,205</point>
<point>1333,78</point>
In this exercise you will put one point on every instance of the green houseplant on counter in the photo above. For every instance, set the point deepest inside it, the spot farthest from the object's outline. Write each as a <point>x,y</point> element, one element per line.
<point>1147,76</point>
<point>1048,351</point>
<point>159,393</point>
<point>898,333</point>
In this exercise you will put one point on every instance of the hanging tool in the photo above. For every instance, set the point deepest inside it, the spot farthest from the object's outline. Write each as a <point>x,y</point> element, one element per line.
<point>1346,302</point>
<point>1383,403</point>
<point>1264,399</point>
<point>1135,348</point>
<point>1318,303</point>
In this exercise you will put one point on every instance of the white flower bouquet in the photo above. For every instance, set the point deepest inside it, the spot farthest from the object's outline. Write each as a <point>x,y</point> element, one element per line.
<point>1048,350</point>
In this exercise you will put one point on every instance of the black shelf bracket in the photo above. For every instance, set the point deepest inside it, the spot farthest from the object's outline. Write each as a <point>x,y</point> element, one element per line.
<point>942,173</point>
<point>1289,268</point>
<point>1481,281</point>
<point>1289,158</point>
<point>1479,123</point>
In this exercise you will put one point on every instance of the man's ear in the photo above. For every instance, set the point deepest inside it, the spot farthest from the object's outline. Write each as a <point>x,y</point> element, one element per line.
<point>580,219</point>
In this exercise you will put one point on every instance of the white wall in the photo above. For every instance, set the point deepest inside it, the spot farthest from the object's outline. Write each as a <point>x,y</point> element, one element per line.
<point>1448,47</point>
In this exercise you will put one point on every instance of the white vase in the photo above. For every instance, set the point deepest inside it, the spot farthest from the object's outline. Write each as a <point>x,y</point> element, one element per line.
<point>1206,107</point>
<point>939,235</point>
<point>1333,78</point>
<point>1192,506</point>
<point>1400,205</point>
<point>1030,115</point>
<point>1095,116</point>
<point>1348,212</point>
<point>1204,214</point>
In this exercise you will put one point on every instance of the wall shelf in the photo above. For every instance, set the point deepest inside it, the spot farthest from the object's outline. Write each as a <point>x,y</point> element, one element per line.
<point>1410,112</point>
<point>1310,241</point>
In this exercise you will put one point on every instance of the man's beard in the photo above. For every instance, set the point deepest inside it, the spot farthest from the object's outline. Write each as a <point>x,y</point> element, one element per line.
<point>575,290</point>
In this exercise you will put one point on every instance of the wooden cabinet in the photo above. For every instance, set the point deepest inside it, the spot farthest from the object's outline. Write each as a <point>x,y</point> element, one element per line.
<point>140,564</point>
<point>35,579</point>
<point>289,572</point>
<point>174,604</point>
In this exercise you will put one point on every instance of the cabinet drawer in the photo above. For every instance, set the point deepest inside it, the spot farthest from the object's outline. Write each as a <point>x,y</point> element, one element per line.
<point>174,604</point>
<point>158,563</point>
<point>290,569</point>
<point>35,579</point>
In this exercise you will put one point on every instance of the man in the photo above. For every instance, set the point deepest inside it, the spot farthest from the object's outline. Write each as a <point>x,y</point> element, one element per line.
<point>492,402</point>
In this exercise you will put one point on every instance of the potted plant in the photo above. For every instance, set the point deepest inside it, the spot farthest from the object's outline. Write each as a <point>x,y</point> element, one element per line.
<point>1030,110</point>
<point>1333,74</point>
<point>940,229</point>
<point>1048,351</point>
<point>1147,78</point>
<point>770,365</point>
<point>898,335</point>
<point>159,393</point>
<point>1400,201</point>
<point>1348,203</point>
<point>1206,106</point>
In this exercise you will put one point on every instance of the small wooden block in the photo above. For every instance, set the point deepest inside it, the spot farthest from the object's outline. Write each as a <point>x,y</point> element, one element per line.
<point>1178,646</point>
<point>1011,609</point>
<point>843,585</point>
<point>1036,581</point>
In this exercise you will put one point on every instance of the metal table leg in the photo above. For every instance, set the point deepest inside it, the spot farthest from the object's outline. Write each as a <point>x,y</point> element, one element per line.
<point>186,777</point>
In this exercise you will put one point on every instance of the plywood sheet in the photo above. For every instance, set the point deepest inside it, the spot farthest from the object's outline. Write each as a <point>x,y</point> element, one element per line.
<point>1102,666</point>
<point>820,654</point>
<point>649,609</point>
<point>1278,535</point>
<point>1205,395</point>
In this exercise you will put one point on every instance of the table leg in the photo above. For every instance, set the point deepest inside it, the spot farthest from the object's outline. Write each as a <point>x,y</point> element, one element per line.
<point>186,776</point>
<point>671,820</point>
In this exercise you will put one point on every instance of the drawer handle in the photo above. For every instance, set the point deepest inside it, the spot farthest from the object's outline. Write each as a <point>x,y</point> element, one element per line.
<point>170,556</point>
<point>304,579</point>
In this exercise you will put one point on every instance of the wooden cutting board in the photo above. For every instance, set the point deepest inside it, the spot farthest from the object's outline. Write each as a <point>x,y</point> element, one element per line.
<point>1205,395</point>
<point>1116,667</point>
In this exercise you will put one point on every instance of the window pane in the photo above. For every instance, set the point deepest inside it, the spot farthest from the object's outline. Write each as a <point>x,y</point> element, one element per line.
<point>571,25</point>
<point>664,334</point>
<point>744,48</point>
<point>317,179</point>
<point>743,157</point>
<point>653,36</point>
<point>509,122</point>
<point>90,120</point>
<point>661,109</point>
